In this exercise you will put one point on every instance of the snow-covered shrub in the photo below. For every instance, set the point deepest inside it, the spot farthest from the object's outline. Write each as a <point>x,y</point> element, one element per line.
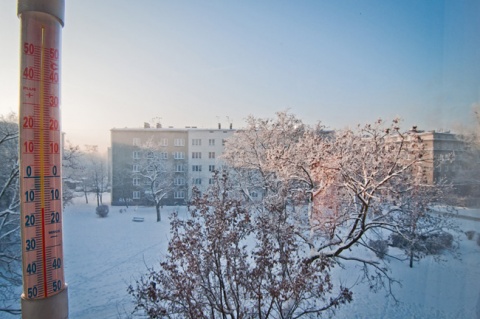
<point>438,242</point>
<point>428,244</point>
<point>399,241</point>
<point>102,210</point>
<point>380,247</point>
<point>470,234</point>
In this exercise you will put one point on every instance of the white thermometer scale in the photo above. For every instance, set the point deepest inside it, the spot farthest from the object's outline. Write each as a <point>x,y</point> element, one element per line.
<point>44,289</point>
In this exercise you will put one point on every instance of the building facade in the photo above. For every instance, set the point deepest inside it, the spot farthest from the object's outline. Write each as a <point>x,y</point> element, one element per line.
<point>448,152</point>
<point>181,157</point>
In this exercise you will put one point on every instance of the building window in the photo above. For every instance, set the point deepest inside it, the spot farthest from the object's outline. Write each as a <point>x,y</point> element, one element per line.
<point>211,168</point>
<point>157,167</point>
<point>197,181</point>
<point>179,194</point>
<point>223,142</point>
<point>136,195</point>
<point>196,142</point>
<point>163,155</point>
<point>136,168</point>
<point>254,194</point>
<point>180,168</point>
<point>149,155</point>
<point>164,141</point>
<point>136,154</point>
<point>210,181</point>
<point>196,168</point>
<point>137,141</point>
<point>179,142</point>
<point>211,142</point>
<point>196,154</point>
<point>211,154</point>
<point>179,155</point>
<point>179,181</point>
<point>136,181</point>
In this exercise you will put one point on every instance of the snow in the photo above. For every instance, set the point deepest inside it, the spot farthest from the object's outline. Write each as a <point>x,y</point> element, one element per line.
<point>104,255</point>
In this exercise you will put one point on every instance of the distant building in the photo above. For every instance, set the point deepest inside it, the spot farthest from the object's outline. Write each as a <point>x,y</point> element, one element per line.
<point>455,162</point>
<point>448,151</point>
<point>190,153</point>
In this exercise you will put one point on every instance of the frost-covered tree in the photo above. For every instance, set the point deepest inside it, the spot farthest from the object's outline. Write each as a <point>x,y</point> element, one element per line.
<point>325,197</point>
<point>225,262</point>
<point>155,174</point>
<point>419,230</point>
<point>10,256</point>
<point>72,170</point>
<point>96,176</point>
<point>348,187</point>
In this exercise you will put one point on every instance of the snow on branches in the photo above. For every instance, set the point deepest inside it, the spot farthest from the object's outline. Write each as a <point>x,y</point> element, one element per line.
<point>296,202</point>
<point>356,184</point>
<point>224,261</point>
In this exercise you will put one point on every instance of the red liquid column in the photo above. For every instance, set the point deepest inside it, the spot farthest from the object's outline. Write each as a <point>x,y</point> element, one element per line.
<point>44,289</point>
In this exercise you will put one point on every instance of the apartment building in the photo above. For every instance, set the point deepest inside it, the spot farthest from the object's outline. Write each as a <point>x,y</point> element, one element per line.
<point>187,157</point>
<point>448,153</point>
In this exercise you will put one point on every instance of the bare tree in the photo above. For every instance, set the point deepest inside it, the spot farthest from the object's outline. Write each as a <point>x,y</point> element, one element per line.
<point>325,197</point>
<point>10,259</point>
<point>155,174</point>
<point>96,177</point>
<point>72,170</point>
<point>420,230</point>
<point>224,262</point>
<point>123,183</point>
<point>356,184</point>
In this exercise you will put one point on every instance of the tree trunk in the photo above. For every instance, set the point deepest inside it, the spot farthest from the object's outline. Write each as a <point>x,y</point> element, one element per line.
<point>411,257</point>
<point>157,207</point>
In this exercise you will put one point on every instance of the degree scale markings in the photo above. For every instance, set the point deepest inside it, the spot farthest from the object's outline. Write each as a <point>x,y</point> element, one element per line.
<point>42,159</point>
<point>40,164</point>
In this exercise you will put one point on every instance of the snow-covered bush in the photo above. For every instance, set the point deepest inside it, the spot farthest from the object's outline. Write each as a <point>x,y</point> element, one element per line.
<point>102,210</point>
<point>470,234</point>
<point>436,243</point>
<point>431,244</point>
<point>380,247</point>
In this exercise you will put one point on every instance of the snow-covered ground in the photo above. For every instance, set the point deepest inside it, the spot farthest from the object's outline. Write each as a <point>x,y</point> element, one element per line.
<point>104,255</point>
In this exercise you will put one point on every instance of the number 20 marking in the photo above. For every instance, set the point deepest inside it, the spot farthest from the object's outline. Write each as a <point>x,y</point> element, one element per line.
<point>53,125</point>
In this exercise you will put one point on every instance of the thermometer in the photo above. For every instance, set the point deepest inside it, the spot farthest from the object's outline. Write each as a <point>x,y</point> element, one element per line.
<point>40,147</point>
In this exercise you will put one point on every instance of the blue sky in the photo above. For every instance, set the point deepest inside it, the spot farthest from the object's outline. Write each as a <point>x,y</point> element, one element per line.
<point>190,63</point>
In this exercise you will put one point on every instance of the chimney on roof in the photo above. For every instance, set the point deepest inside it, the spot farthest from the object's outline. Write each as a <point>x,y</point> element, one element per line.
<point>146,125</point>
<point>219,126</point>
<point>159,125</point>
<point>231,125</point>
